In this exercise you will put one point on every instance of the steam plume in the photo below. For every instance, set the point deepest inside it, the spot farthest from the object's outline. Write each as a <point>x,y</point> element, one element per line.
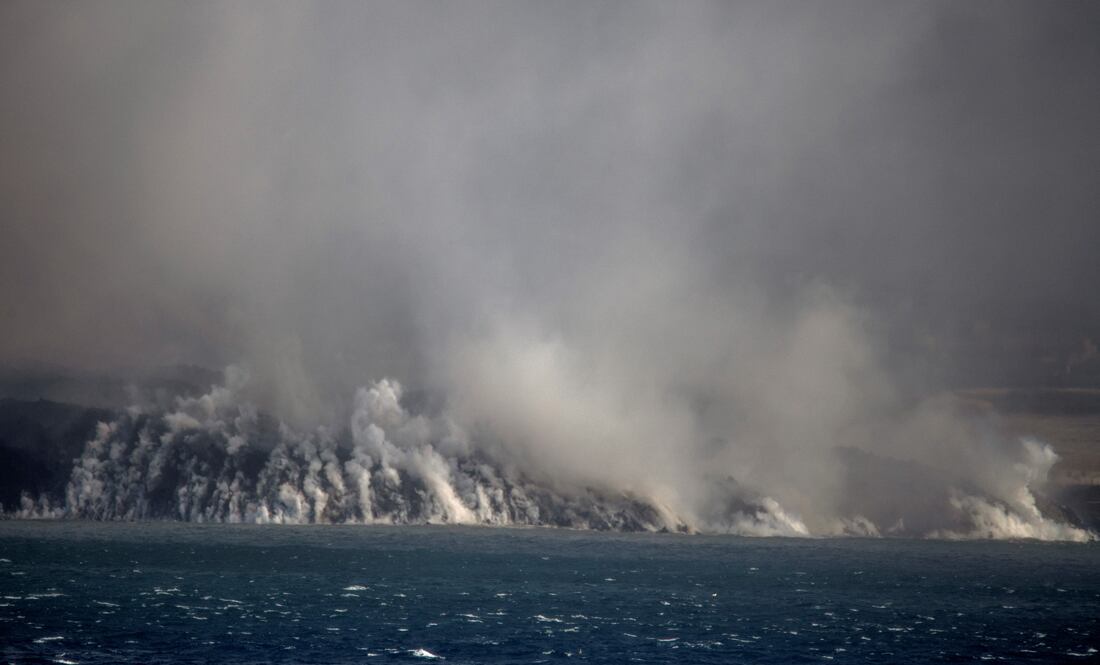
<point>215,458</point>
<point>639,265</point>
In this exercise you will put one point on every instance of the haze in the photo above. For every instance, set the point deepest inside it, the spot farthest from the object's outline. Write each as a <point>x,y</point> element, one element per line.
<point>635,244</point>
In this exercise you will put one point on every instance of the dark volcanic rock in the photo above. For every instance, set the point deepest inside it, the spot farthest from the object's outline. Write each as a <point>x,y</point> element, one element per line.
<point>38,442</point>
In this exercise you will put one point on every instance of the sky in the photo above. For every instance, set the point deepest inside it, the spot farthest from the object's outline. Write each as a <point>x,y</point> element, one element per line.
<point>591,199</point>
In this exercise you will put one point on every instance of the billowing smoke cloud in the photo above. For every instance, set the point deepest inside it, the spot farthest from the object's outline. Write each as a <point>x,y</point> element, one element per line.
<point>216,458</point>
<point>692,266</point>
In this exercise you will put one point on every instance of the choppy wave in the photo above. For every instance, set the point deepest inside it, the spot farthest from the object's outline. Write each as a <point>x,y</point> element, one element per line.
<point>217,458</point>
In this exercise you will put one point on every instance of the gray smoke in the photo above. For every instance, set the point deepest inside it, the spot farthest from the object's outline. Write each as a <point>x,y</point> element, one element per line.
<point>216,458</point>
<point>681,254</point>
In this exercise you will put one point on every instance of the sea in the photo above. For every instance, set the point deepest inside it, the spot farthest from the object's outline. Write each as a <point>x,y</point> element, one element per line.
<point>168,592</point>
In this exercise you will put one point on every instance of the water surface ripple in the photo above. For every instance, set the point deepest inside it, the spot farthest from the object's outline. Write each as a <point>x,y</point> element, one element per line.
<point>85,592</point>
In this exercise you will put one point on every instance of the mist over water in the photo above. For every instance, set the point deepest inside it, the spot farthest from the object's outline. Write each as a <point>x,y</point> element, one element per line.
<point>703,267</point>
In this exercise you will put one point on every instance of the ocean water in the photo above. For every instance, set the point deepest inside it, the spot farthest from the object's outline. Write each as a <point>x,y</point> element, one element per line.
<point>87,592</point>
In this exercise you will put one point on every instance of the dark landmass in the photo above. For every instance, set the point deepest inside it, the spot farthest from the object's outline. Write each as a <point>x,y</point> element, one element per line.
<point>38,442</point>
<point>102,389</point>
<point>41,437</point>
<point>48,413</point>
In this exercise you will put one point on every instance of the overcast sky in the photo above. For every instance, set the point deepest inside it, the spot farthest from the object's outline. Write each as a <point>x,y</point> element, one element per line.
<point>334,192</point>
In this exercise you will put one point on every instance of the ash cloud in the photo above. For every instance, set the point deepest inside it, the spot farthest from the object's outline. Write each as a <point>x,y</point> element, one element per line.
<point>660,251</point>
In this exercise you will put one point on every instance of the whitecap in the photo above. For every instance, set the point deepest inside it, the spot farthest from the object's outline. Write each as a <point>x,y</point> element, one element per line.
<point>546,619</point>
<point>355,587</point>
<point>424,653</point>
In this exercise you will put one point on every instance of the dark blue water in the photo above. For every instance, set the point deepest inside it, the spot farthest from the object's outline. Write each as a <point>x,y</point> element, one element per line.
<point>166,592</point>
